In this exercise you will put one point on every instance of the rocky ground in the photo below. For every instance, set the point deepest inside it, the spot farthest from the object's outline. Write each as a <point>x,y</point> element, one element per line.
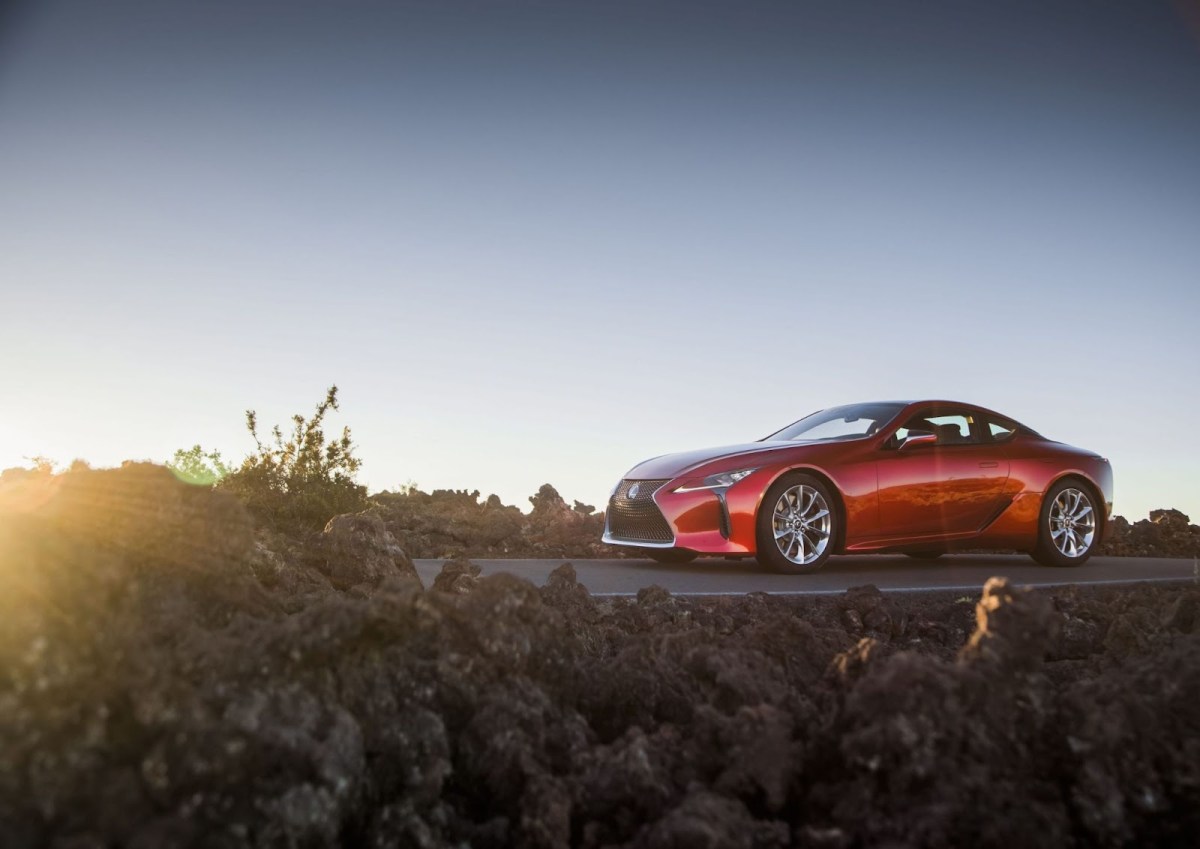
<point>1167,533</point>
<point>171,676</point>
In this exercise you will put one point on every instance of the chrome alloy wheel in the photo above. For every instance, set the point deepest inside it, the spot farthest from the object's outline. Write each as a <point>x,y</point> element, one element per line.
<point>802,524</point>
<point>1072,523</point>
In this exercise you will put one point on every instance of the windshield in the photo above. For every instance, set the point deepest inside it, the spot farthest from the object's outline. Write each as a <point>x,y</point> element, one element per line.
<point>849,422</point>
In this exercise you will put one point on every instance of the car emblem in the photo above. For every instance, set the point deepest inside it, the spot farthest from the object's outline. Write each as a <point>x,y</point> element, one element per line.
<point>634,490</point>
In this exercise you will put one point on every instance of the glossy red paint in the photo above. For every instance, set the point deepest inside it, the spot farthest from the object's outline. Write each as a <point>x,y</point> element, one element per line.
<point>986,494</point>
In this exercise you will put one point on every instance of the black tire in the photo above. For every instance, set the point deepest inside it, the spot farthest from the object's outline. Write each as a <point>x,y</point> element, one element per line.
<point>1058,505</point>
<point>925,555</point>
<point>821,522</point>
<point>671,555</point>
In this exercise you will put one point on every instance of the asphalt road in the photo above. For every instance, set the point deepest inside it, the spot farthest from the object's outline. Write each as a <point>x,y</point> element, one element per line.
<point>712,576</point>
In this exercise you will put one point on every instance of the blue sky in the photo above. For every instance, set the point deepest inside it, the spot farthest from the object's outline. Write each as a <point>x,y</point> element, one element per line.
<point>541,241</point>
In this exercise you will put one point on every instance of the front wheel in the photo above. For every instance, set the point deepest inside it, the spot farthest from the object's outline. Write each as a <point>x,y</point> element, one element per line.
<point>1067,526</point>
<point>796,525</point>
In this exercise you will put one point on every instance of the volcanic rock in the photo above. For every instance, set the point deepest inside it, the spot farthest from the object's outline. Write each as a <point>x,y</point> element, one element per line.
<point>458,576</point>
<point>1014,628</point>
<point>358,550</point>
<point>175,677</point>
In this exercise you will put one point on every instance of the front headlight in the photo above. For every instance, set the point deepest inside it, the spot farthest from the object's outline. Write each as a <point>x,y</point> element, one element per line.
<point>718,481</point>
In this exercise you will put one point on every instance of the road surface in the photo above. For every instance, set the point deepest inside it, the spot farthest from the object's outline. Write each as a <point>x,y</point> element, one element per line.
<point>713,576</point>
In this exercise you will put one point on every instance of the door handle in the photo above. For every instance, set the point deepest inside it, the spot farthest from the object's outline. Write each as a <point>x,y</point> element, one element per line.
<point>988,465</point>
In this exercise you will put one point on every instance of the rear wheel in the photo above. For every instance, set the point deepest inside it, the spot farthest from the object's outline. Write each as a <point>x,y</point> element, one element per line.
<point>1067,525</point>
<point>672,555</point>
<point>797,525</point>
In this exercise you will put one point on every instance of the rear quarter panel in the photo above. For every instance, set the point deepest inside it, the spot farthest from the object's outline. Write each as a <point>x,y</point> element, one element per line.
<point>1035,466</point>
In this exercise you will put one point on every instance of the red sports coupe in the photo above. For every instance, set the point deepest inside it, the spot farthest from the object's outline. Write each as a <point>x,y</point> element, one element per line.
<point>920,477</point>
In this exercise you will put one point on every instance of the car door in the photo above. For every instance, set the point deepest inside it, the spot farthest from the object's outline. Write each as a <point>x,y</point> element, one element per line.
<point>953,486</point>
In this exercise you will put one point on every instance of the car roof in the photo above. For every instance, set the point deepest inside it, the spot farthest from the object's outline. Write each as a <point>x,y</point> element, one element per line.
<point>933,402</point>
<point>945,402</point>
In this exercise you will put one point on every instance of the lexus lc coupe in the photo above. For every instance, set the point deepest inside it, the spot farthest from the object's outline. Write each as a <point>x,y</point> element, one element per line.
<point>918,477</point>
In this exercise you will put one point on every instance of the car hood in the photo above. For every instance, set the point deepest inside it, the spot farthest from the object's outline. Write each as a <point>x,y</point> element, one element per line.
<point>673,465</point>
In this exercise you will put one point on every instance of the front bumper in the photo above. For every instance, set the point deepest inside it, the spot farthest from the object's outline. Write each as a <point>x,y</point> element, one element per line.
<point>710,521</point>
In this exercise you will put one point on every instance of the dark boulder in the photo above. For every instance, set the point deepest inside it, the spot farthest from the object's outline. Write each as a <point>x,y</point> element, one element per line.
<point>357,550</point>
<point>458,576</point>
<point>866,610</point>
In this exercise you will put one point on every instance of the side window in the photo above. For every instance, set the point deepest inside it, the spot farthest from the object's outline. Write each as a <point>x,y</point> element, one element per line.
<point>1000,430</point>
<point>950,428</point>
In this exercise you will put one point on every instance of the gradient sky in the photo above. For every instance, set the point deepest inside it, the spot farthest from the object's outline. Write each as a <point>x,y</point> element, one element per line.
<point>541,241</point>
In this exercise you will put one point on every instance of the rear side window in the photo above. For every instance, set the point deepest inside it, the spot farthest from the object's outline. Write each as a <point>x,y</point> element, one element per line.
<point>1000,430</point>
<point>952,428</point>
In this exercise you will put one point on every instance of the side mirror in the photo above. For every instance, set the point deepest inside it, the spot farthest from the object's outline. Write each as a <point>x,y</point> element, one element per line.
<point>917,438</point>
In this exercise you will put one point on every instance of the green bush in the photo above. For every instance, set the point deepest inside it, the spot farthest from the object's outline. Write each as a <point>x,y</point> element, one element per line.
<point>298,484</point>
<point>195,465</point>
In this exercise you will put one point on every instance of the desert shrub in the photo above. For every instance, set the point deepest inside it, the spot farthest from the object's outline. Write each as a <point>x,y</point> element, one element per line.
<point>195,465</point>
<point>41,465</point>
<point>297,484</point>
